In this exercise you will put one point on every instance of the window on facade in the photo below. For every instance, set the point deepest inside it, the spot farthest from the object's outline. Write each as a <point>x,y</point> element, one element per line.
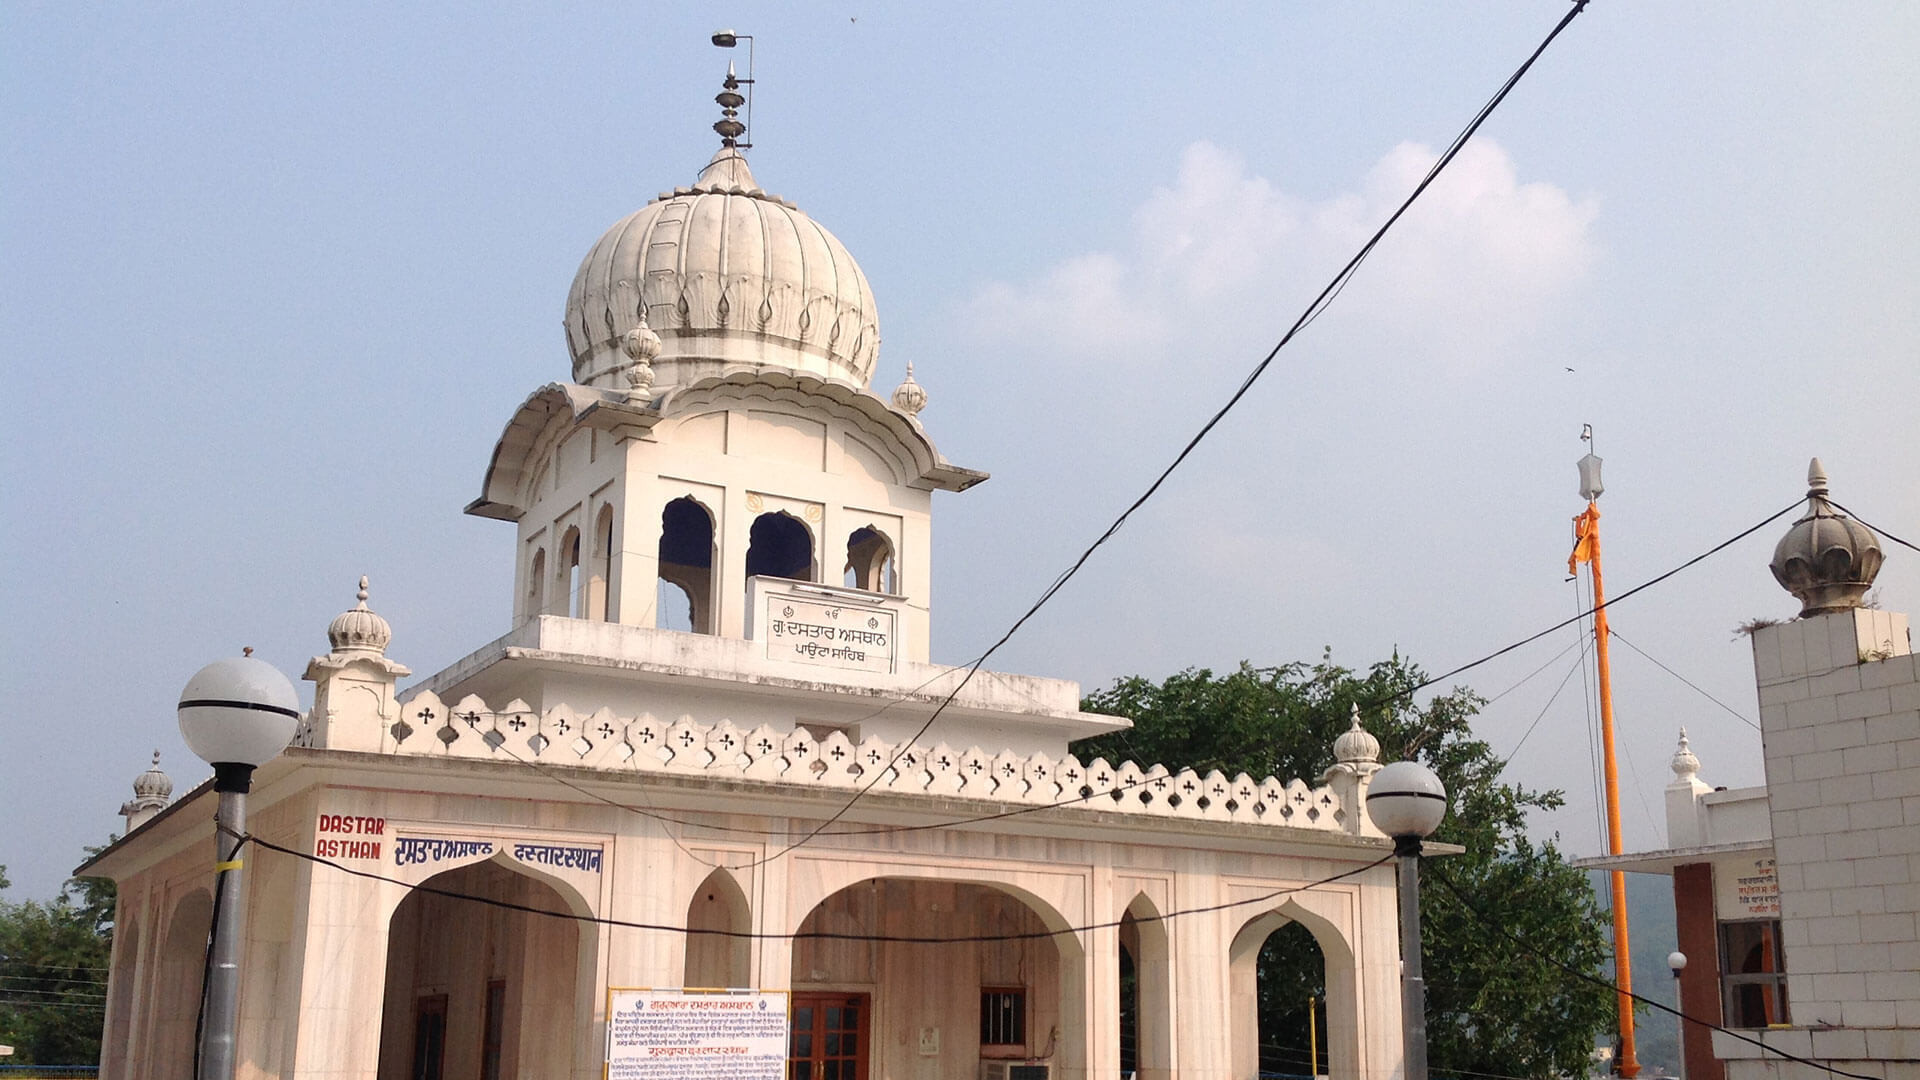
<point>429,1037</point>
<point>1003,1016</point>
<point>870,562</point>
<point>685,594</point>
<point>778,545</point>
<point>1753,973</point>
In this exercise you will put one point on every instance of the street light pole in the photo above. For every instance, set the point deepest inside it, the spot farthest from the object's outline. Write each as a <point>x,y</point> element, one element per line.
<point>1677,961</point>
<point>236,714</point>
<point>1406,801</point>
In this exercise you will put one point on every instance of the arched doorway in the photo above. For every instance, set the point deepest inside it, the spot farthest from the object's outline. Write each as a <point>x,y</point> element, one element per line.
<point>1146,1007</point>
<point>877,993</point>
<point>1276,963</point>
<point>485,991</point>
<point>176,986</point>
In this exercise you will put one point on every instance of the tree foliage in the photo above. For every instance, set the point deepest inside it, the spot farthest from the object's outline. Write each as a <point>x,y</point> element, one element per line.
<point>53,973</point>
<point>1491,1008</point>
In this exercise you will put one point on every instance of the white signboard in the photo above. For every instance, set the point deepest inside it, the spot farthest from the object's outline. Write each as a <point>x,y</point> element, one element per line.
<point>689,1035</point>
<point>826,633</point>
<point>1745,889</point>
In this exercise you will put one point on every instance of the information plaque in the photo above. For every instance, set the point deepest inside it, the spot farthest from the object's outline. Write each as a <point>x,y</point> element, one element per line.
<point>696,1035</point>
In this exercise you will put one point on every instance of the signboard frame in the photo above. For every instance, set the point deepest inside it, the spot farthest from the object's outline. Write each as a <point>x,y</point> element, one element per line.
<point>773,1070</point>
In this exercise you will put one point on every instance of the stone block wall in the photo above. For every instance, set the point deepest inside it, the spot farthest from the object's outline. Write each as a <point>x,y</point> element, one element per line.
<point>1840,718</point>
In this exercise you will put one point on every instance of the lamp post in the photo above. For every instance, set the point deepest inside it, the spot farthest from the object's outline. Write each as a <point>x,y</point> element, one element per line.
<point>1406,800</point>
<point>236,714</point>
<point>1677,962</point>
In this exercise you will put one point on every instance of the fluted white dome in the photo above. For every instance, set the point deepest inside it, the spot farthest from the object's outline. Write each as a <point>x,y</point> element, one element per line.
<point>358,629</point>
<point>153,784</point>
<point>725,274</point>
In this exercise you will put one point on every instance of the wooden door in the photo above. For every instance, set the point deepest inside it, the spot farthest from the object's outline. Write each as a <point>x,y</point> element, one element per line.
<point>828,1039</point>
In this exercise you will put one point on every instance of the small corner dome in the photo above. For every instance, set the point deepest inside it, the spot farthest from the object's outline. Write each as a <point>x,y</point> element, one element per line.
<point>726,274</point>
<point>153,784</point>
<point>358,629</point>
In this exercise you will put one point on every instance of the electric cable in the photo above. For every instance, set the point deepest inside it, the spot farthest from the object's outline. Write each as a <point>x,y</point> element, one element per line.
<point>1736,714</point>
<point>1579,664</point>
<point>1087,795</point>
<point>821,935</point>
<point>1246,385</point>
<point>1527,949</point>
<point>1877,529</point>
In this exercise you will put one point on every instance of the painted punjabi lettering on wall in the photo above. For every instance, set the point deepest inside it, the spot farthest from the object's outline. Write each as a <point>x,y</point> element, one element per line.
<point>681,1035</point>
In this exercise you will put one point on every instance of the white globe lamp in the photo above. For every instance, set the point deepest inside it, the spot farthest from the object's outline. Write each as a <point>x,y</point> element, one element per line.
<point>236,714</point>
<point>1407,801</point>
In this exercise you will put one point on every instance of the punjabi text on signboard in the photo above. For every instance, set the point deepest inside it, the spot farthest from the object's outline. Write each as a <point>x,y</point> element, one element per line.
<point>828,634</point>
<point>681,1035</point>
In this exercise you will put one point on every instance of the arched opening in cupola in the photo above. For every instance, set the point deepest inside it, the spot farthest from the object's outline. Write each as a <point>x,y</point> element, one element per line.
<point>870,562</point>
<point>780,546</point>
<point>599,593</point>
<point>574,602</point>
<point>536,600</point>
<point>684,597</point>
<point>717,924</point>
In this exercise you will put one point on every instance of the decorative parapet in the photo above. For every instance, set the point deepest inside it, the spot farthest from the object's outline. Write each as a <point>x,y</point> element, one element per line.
<point>471,729</point>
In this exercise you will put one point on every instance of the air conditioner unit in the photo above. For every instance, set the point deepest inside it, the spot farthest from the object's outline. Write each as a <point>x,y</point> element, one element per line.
<point>1015,1070</point>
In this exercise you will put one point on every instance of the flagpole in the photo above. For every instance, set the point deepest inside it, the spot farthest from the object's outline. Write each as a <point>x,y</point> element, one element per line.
<point>1587,549</point>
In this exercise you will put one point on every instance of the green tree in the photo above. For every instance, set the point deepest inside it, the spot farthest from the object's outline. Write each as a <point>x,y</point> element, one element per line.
<point>53,973</point>
<point>1491,1008</point>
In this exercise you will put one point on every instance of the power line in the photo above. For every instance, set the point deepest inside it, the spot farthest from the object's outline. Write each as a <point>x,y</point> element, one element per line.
<point>1736,714</point>
<point>1875,528</point>
<point>823,935</point>
<point>1579,664</point>
<point>1088,794</point>
<point>1318,304</point>
<point>1502,929</point>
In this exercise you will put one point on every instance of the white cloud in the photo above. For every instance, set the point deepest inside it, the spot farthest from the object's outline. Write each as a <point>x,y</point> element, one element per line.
<point>1472,267</point>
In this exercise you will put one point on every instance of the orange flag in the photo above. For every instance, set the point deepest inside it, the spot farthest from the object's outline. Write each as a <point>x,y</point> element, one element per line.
<point>1583,530</point>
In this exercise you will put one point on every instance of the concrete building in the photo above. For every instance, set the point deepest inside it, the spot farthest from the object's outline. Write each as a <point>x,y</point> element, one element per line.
<point>712,752</point>
<point>1797,901</point>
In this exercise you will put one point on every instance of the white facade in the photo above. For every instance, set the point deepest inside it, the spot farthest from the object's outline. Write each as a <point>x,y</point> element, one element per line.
<point>664,795</point>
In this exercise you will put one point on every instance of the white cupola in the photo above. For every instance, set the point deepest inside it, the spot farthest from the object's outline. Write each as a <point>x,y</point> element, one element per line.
<point>720,429</point>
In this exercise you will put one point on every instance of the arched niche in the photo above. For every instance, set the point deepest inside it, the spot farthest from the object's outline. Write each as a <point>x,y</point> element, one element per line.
<point>490,972</point>
<point>876,945</point>
<point>684,594</point>
<point>718,920</point>
<point>176,986</point>
<point>1342,1044</point>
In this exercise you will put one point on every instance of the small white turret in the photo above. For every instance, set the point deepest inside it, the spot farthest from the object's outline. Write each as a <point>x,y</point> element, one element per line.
<point>152,790</point>
<point>354,683</point>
